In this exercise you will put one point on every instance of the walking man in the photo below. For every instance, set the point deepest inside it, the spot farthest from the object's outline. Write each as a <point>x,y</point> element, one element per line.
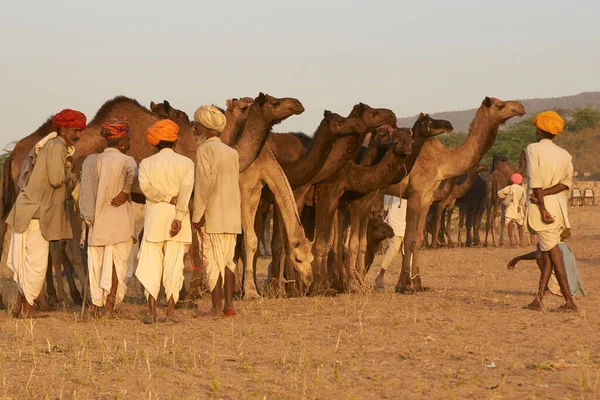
<point>217,206</point>
<point>106,181</point>
<point>40,214</point>
<point>396,218</point>
<point>550,172</point>
<point>167,181</point>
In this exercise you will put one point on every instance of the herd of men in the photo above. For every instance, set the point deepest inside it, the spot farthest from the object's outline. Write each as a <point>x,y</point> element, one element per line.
<point>41,216</point>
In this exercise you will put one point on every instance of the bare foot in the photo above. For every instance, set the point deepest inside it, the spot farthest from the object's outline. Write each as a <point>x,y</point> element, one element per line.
<point>535,305</point>
<point>211,314</point>
<point>150,319</point>
<point>566,308</point>
<point>171,318</point>
<point>228,313</point>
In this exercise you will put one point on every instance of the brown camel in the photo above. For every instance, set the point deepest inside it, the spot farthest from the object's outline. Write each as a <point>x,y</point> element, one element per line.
<point>471,207</point>
<point>358,179</point>
<point>377,231</point>
<point>500,174</point>
<point>360,209</point>
<point>462,184</point>
<point>448,163</point>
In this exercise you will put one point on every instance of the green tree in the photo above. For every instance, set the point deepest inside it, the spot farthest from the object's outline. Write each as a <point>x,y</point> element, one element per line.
<point>583,118</point>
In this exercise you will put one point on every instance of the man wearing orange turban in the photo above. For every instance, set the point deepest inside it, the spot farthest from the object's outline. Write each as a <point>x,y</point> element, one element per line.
<point>514,197</point>
<point>106,182</point>
<point>167,181</point>
<point>40,217</point>
<point>550,175</point>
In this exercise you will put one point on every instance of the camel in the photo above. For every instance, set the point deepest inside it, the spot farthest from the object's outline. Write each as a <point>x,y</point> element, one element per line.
<point>462,184</point>
<point>499,178</point>
<point>377,231</point>
<point>471,207</point>
<point>358,179</point>
<point>448,163</point>
<point>423,128</point>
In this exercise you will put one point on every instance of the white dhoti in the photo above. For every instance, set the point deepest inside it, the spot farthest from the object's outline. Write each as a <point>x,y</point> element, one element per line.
<point>28,259</point>
<point>100,264</point>
<point>161,259</point>
<point>549,239</point>
<point>392,251</point>
<point>218,251</point>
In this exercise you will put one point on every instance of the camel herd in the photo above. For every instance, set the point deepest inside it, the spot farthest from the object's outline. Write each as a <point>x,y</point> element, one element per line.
<point>324,189</point>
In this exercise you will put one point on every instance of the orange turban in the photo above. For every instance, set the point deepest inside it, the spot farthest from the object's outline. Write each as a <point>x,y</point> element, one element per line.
<point>549,121</point>
<point>517,179</point>
<point>114,128</point>
<point>165,129</point>
<point>68,118</point>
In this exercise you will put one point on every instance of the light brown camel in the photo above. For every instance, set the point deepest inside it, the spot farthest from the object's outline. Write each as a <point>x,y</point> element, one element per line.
<point>424,128</point>
<point>462,184</point>
<point>500,177</point>
<point>358,179</point>
<point>437,162</point>
<point>267,171</point>
<point>140,120</point>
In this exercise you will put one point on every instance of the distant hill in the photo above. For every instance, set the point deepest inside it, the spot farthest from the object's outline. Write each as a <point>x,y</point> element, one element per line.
<point>462,119</point>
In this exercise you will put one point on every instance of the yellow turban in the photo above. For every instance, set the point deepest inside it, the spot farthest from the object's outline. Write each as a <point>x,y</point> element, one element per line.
<point>165,129</point>
<point>549,121</point>
<point>210,117</point>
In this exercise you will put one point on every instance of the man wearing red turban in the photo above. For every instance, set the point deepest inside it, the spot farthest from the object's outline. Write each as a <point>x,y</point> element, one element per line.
<point>106,183</point>
<point>550,175</point>
<point>514,199</point>
<point>167,181</point>
<point>40,217</point>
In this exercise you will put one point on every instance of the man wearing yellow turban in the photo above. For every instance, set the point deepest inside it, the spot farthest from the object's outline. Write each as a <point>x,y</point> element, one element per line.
<point>217,206</point>
<point>550,175</point>
<point>167,181</point>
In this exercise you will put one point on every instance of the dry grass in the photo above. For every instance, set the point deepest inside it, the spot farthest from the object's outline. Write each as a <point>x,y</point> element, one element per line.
<point>466,338</point>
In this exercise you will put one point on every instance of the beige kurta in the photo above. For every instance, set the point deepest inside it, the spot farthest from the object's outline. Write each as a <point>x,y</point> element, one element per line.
<point>217,190</point>
<point>46,194</point>
<point>548,165</point>
<point>116,172</point>
<point>162,177</point>
<point>516,202</point>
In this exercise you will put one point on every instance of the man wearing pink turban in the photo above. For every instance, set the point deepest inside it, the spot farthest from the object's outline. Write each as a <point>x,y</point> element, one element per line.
<point>550,175</point>
<point>514,200</point>
<point>41,217</point>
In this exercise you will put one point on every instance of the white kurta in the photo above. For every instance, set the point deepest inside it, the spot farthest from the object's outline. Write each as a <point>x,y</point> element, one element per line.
<point>516,196</point>
<point>548,165</point>
<point>396,214</point>
<point>28,259</point>
<point>162,177</point>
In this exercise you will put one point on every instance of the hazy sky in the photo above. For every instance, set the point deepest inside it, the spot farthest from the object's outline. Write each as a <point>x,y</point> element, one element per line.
<point>424,56</point>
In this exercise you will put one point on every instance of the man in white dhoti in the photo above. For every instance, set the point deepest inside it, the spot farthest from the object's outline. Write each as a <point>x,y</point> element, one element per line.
<point>111,226</point>
<point>217,207</point>
<point>396,218</point>
<point>167,181</point>
<point>40,214</point>
<point>550,172</point>
<point>515,197</point>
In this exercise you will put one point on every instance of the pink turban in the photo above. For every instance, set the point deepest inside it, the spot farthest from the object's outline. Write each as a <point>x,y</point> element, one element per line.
<point>517,179</point>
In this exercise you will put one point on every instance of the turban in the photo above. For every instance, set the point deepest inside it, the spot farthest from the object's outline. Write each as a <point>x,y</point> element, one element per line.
<point>549,121</point>
<point>516,179</point>
<point>165,129</point>
<point>114,128</point>
<point>211,118</point>
<point>68,118</point>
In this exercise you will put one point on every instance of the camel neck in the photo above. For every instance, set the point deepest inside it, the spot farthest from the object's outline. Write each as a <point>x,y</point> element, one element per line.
<point>368,179</point>
<point>253,137</point>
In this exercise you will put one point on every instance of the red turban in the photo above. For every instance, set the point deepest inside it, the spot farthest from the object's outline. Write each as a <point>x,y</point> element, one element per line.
<point>165,129</point>
<point>68,118</point>
<point>115,128</point>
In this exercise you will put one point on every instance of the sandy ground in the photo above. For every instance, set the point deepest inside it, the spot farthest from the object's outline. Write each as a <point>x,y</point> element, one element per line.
<point>468,337</point>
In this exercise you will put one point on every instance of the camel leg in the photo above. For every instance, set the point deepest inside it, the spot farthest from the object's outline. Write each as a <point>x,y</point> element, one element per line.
<point>461,222</point>
<point>416,216</point>
<point>437,224</point>
<point>326,206</point>
<point>57,249</point>
<point>362,245</point>
<point>502,224</point>
<point>353,245</point>
<point>449,212</point>
<point>69,272</point>
<point>50,289</point>
<point>250,200</point>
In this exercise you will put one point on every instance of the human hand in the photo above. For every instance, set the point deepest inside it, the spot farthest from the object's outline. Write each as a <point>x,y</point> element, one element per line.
<point>175,227</point>
<point>546,216</point>
<point>69,160</point>
<point>120,199</point>
<point>533,198</point>
<point>194,227</point>
<point>174,200</point>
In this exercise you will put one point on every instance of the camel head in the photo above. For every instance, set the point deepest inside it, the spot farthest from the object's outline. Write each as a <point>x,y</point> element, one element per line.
<point>275,110</point>
<point>402,144</point>
<point>496,160</point>
<point>429,127</point>
<point>339,126</point>
<point>302,257</point>
<point>373,117</point>
<point>164,110</point>
<point>238,109</point>
<point>477,170</point>
<point>498,111</point>
<point>378,230</point>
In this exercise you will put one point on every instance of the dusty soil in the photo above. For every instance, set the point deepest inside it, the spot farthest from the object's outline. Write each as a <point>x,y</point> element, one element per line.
<point>468,337</point>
